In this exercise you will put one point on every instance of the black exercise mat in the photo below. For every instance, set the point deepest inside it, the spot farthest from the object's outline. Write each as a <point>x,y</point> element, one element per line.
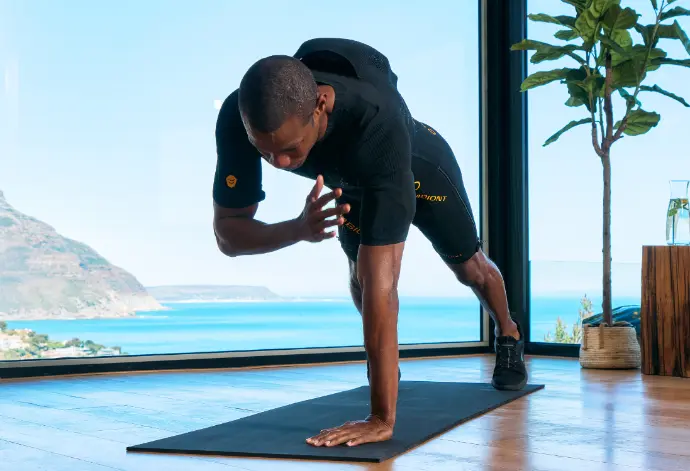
<point>425,410</point>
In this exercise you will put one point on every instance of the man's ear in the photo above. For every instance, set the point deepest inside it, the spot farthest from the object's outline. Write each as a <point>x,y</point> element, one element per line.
<point>321,102</point>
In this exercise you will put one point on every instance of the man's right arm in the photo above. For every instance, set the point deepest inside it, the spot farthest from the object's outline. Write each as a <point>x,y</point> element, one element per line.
<point>238,233</point>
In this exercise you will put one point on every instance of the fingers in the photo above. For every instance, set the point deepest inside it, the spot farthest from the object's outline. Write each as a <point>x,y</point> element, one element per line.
<point>318,186</point>
<point>323,235</point>
<point>321,221</point>
<point>352,434</point>
<point>356,441</point>
<point>328,197</point>
<point>331,222</point>
<point>337,211</point>
<point>319,437</point>
<point>335,436</point>
<point>347,434</point>
<point>329,438</point>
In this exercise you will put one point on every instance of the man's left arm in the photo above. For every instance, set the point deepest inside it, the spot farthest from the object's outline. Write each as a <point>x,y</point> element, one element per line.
<point>387,210</point>
<point>378,269</point>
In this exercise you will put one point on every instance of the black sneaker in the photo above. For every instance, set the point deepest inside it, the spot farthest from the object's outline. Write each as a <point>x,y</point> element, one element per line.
<point>510,372</point>
<point>399,374</point>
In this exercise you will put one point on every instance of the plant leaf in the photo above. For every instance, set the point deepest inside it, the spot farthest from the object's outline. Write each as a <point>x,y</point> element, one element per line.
<point>611,44</point>
<point>617,18</point>
<point>554,53</point>
<point>629,98</point>
<point>647,32</point>
<point>566,128</point>
<point>547,51</point>
<point>538,79</point>
<point>654,4</point>
<point>566,35</point>
<point>623,38</point>
<point>639,52</point>
<point>578,96</point>
<point>600,7</point>
<point>593,84</point>
<point>578,89</point>
<point>665,31</point>
<point>616,23</point>
<point>663,60</point>
<point>658,89</point>
<point>640,122</point>
<point>579,5</point>
<point>562,20</point>
<point>626,72</point>
<point>574,102</point>
<point>620,46</point>
<point>674,12</point>
<point>674,31</point>
<point>656,63</point>
<point>682,36</point>
<point>588,24</point>
<point>529,45</point>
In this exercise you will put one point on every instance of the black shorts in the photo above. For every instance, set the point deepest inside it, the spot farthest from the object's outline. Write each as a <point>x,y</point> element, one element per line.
<point>443,212</point>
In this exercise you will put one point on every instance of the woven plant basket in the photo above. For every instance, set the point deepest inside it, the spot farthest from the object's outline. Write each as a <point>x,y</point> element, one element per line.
<point>610,347</point>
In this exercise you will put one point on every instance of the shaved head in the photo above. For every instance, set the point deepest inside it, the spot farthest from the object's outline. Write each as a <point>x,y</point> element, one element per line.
<point>275,89</point>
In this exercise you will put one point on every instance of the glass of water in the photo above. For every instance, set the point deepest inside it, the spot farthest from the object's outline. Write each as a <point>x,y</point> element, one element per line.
<point>678,214</point>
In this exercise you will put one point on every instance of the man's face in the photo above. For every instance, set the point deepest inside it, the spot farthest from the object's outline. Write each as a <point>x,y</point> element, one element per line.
<point>288,147</point>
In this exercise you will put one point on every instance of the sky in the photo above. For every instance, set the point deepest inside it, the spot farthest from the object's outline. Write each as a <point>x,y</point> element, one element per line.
<point>107,133</point>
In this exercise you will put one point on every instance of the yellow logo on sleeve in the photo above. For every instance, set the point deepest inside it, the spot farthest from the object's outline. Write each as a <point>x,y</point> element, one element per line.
<point>231,181</point>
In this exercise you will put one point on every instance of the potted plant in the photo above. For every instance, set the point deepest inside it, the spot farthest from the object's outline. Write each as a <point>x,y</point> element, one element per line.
<point>608,64</point>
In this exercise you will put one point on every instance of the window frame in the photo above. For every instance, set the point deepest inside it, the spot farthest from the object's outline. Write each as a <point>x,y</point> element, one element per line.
<point>507,160</point>
<point>504,176</point>
<point>282,357</point>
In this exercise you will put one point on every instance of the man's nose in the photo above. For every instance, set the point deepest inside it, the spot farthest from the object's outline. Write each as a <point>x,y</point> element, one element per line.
<point>281,161</point>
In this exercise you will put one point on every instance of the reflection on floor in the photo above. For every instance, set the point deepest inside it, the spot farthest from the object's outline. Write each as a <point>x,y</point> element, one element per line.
<point>584,419</point>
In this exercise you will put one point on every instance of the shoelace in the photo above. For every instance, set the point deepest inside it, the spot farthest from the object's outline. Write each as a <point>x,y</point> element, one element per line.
<point>507,355</point>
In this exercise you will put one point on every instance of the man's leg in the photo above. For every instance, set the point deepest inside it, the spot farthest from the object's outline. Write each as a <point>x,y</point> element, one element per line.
<point>481,275</point>
<point>445,218</point>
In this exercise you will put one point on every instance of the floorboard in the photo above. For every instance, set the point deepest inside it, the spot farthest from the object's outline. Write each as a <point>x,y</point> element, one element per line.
<point>583,419</point>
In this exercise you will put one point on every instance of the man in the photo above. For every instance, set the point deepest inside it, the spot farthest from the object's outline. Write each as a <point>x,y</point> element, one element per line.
<point>332,112</point>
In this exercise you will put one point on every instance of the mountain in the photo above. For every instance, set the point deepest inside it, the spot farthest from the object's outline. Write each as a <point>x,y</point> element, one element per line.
<point>210,293</point>
<point>44,275</point>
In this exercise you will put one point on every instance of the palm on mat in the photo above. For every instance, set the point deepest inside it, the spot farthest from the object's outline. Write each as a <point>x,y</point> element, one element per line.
<point>353,433</point>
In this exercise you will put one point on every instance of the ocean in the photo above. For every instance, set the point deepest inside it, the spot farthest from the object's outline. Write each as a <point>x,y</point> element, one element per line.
<point>214,327</point>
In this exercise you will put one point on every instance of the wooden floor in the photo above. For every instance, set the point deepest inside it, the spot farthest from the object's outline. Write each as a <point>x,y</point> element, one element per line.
<point>583,420</point>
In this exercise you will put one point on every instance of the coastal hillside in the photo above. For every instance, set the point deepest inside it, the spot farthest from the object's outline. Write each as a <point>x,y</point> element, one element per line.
<point>211,293</point>
<point>44,275</point>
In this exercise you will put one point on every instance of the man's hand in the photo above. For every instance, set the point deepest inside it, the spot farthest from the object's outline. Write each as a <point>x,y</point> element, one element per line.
<point>313,221</point>
<point>371,429</point>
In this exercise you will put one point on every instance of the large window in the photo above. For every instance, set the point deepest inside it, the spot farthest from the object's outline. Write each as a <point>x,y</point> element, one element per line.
<point>565,191</point>
<point>107,155</point>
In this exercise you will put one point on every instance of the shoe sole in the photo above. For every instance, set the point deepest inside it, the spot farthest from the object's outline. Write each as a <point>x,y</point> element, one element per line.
<point>509,387</point>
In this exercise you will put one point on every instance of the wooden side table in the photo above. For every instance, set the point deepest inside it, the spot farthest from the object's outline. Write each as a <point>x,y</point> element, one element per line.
<point>665,311</point>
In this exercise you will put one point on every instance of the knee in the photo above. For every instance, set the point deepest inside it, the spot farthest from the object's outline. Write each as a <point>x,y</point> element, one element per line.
<point>355,287</point>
